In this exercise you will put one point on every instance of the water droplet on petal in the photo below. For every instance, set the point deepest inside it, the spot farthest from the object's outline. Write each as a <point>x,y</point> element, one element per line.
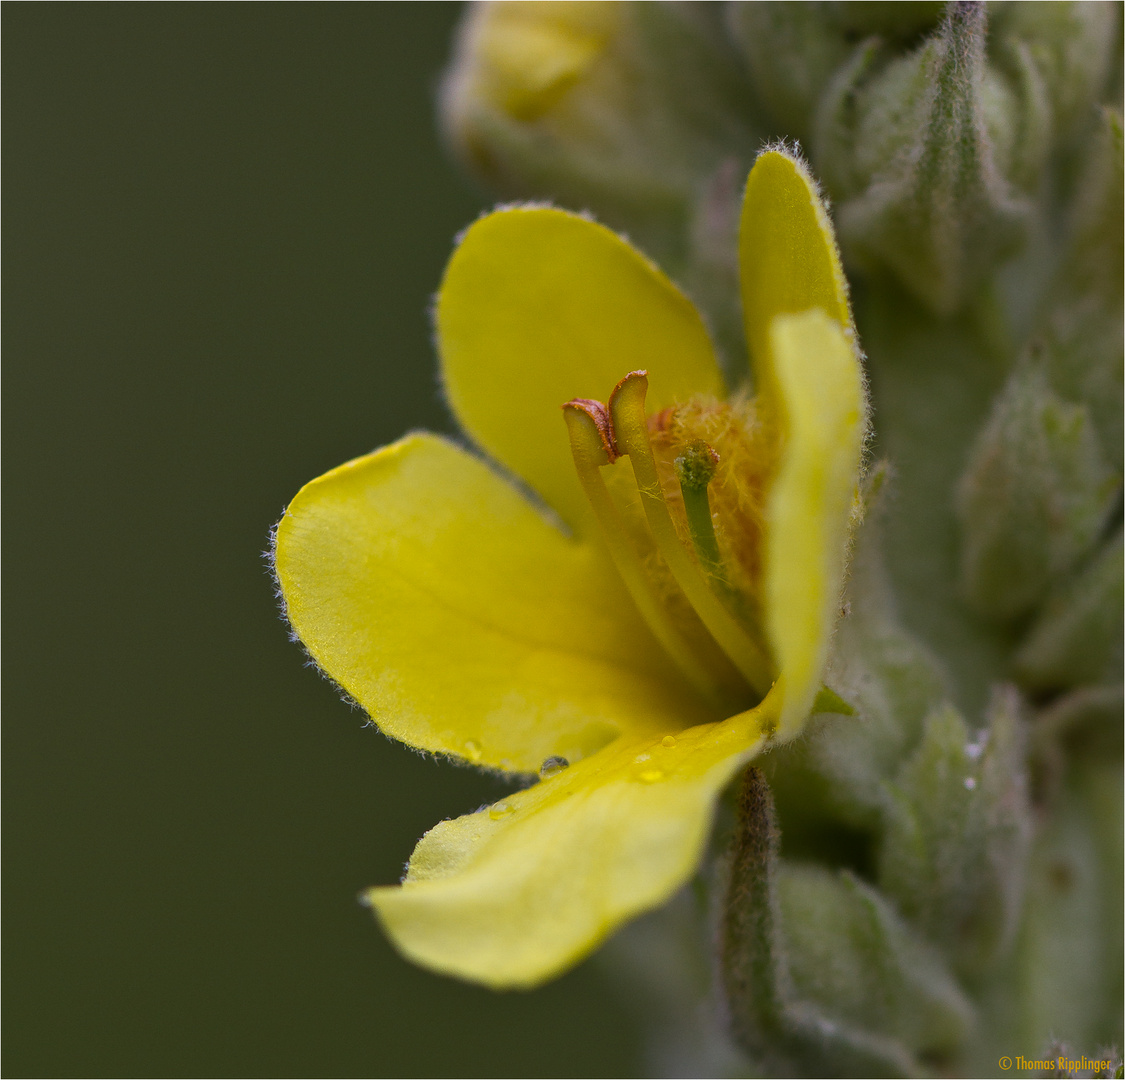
<point>472,750</point>
<point>499,810</point>
<point>668,741</point>
<point>552,767</point>
<point>650,776</point>
<point>970,782</point>
<point>642,757</point>
<point>363,899</point>
<point>973,750</point>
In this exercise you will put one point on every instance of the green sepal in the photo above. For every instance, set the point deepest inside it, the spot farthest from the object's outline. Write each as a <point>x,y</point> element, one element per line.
<point>957,826</point>
<point>1080,329</point>
<point>1033,499</point>
<point>855,958</point>
<point>1077,637</point>
<point>828,701</point>
<point>836,119</point>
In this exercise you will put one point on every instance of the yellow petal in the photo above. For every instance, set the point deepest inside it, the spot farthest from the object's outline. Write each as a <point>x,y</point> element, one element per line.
<point>460,619</point>
<point>787,255</point>
<point>808,511</point>
<point>514,894</point>
<point>539,306</point>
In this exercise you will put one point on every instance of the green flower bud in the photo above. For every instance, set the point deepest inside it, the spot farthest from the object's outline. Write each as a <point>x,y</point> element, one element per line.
<point>792,50</point>
<point>851,956</point>
<point>958,824</point>
<point>1033,499</point>
<point>1063,52</point>
<point>929,131</point>
<point>1081,327</point>
<point>1077,637</point>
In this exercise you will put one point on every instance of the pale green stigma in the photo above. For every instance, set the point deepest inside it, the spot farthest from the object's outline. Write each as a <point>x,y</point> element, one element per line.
<point>694,469</point>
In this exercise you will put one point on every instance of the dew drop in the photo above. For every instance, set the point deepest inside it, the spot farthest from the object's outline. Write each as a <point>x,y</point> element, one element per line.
<point>974,749</point>
<point>364,899</point>
<point>641,758</point>
<point>668,741</point>
<point>472,750</point>
<point>501,809</point>
<point>650,776</point>
<point>970,782</point>
<point>552,767</point>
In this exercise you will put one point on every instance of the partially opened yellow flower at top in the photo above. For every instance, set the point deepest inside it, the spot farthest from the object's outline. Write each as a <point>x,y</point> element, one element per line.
<point>618,627</point>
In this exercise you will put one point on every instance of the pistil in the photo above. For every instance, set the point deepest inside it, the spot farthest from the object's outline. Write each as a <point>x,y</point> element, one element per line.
<point>694,469</point>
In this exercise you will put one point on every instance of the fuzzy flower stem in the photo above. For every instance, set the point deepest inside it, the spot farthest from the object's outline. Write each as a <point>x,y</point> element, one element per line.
<point>748,948</point>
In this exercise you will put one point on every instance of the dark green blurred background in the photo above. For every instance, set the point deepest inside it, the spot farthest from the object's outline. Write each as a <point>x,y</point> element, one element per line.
<point>223,226</point>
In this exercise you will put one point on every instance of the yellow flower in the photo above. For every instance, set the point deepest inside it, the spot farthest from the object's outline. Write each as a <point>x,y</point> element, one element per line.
<point>600,637</point>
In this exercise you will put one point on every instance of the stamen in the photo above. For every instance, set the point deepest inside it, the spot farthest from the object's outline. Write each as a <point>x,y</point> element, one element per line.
<point>630,434</point>
<point>694,469</point>
<point>592,445</point>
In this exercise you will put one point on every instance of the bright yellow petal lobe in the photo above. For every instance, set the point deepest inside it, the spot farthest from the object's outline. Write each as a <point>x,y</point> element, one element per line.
<point>461,620</point>
<point>514,894</point>
<point>820,388</point>
<point>539,306</point>
<point>787,257</point>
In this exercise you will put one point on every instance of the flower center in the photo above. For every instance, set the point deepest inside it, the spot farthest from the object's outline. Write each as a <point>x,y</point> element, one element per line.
<point>696,586</point>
